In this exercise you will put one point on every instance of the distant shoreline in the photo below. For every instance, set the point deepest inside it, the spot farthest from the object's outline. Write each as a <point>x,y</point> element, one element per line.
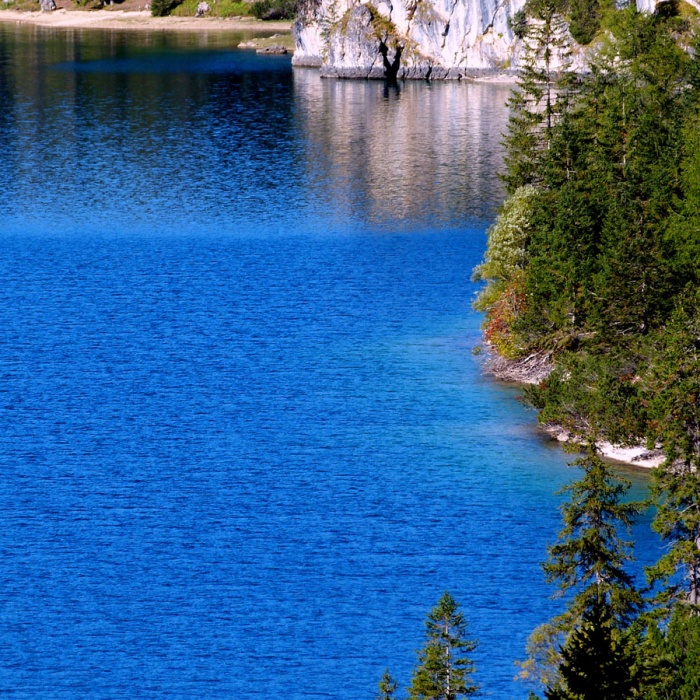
<point>139,21</point>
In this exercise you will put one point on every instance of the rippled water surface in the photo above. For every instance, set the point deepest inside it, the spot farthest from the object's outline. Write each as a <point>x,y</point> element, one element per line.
<point>244,443</point>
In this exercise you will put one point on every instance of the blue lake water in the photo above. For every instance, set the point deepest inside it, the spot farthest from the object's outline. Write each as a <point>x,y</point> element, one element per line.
<point>244,442</point>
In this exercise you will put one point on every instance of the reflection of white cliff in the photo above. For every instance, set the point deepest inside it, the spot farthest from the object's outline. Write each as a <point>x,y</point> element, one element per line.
<point>438,38</point>
<point>394,155</point>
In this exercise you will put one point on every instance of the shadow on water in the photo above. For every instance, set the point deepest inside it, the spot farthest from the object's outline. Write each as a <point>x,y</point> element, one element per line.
<point>190,63</point>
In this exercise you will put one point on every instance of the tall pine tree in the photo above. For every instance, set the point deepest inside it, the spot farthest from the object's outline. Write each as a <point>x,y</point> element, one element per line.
<point>676,484</point>
<point>596,661</point>
<point>588,560</point>
<point>444,667</point>
<point>541,94</point>
<point>590,556</point>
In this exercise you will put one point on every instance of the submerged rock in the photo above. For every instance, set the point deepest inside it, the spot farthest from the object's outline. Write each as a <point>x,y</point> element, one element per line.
<point>274,49</point>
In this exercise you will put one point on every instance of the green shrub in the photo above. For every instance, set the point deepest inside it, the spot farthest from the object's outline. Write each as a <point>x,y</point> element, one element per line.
<point>161,8</point>
<point>274,9</point>
<point>231,9</point>
<point>219,8</point>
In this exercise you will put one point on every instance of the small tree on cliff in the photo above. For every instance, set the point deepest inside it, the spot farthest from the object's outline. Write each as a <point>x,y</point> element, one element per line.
<point>444,668</point>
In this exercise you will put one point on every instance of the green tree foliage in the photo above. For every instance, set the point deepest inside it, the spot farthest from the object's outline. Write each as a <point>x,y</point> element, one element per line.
<point>676,385</point>
<point>518,23</point>
<point>444,668</point>
<point>505,253</point>
<point>584,19</point>
<point>502,269</point>
<point>543,652</point>
<point>387,687</point>
<point>541,92</point>
<point>597,662</point>
<point>161,8</point>
<point>589,557</point>
<point>598,254</point>
<point>672,659</point>
<point>613,237</point>
<point>587,561</point>
<point>274,9</point>
<point>607,285</point>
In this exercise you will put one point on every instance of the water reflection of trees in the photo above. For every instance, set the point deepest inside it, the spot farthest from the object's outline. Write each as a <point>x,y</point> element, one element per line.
<point>419,152</point>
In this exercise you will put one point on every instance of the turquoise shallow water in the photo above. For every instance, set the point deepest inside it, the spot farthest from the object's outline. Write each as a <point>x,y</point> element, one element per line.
<point>244,442</point>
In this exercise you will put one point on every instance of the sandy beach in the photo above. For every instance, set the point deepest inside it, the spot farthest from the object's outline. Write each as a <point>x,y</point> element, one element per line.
<point>139,20</point>
<point>635,455</point>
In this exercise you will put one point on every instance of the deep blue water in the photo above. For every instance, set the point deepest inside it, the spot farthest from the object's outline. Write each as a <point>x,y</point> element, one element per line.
<point>244,443</point>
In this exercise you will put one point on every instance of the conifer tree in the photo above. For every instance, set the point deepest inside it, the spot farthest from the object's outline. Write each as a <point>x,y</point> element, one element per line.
<point>589,559</point>
<point>596,662</point>
<point>673,659</point>
<point>676,484</point>
<point>444,668</point>
<point>590,556</point>
<point>541,94</point>
<point>387,687</point>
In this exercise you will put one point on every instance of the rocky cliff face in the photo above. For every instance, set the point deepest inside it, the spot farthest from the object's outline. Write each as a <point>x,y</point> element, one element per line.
<point>435,38</point>
<point>411,38</point>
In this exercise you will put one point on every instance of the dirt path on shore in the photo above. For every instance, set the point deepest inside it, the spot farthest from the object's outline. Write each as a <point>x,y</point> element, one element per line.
<point>139,20</point>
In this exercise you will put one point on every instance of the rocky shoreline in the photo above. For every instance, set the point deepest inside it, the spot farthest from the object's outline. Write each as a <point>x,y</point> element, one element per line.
<point>535,368</point>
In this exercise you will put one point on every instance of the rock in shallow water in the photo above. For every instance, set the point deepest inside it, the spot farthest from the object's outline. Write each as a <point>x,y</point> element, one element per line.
<point>275,49</point>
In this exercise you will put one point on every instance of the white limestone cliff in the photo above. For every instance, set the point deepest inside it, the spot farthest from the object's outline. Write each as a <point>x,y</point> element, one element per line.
<point>434,39</point>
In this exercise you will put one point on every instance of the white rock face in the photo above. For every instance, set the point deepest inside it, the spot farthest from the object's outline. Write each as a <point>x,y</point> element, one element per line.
<point>437,38</point>
<point>441,38</point>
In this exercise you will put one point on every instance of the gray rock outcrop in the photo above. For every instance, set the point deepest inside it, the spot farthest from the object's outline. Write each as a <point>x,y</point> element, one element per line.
<point>47,5</point>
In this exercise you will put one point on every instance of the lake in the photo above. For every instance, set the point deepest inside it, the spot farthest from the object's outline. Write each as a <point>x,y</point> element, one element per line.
<point>245,443</point>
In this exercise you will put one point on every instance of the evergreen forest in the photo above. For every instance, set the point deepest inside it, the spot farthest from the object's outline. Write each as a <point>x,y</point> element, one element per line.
<point>591,275</point>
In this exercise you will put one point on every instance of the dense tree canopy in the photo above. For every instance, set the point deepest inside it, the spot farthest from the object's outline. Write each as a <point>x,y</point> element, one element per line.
<point>600,267</point>
<point>595,261</point>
